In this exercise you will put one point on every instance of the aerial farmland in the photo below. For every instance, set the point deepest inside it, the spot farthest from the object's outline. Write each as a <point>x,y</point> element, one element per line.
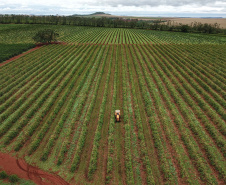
<point>58,102</point>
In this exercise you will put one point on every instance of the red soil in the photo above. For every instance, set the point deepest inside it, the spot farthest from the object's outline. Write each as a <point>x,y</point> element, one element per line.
<point>23,170</point>
<point>18,56</point>
<point>55,42</point>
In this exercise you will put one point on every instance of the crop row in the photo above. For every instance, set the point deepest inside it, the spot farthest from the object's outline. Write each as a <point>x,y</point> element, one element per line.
<point>24,33</point>
<point>56,109</point>
<point>128,155</point>
<point>174,140</point>
<point>81,65</point>
<point>77,115</point>
<point>209,53</point>
<point>207,110</point>
<point>208,64</point>
<point>200,87</point>
<point>133,36</point>
<point>82,137</point>
<point>22,92</point>
<point>151,101</point>
<point>213,154</point>
<point>111,130</point>
<point>15,70</point>
<point>204,75</point>
<point>13,76</point>
<point>97,137</point>
<point>13,117</point>
<point>45,106</point>
<point>16,129</point>
<point>68,148</point>
<point>143,147</point>
<point>69,117</point>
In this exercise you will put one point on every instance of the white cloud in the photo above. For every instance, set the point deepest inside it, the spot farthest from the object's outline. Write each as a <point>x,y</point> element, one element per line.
<point>129,7</point>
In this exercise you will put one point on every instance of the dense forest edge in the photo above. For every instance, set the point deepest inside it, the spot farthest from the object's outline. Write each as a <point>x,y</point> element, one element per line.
<point>113,22</point>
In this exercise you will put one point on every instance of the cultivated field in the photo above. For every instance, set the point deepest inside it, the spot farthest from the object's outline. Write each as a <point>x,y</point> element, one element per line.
<point>57,107</point>
<point>221,21</point>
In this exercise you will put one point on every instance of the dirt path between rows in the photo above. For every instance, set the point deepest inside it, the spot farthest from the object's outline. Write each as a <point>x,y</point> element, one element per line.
<point>20,55</point>
<point>23,170</point>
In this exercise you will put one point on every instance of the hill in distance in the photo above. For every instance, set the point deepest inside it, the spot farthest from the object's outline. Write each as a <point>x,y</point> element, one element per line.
<point>100,13</point>
<point>94,14</point>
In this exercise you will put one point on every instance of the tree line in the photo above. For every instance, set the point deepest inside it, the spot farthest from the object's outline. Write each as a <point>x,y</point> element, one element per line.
<point>112,22</point>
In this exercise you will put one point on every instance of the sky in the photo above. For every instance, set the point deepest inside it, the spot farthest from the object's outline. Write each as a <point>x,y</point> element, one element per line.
<point>172,8</point>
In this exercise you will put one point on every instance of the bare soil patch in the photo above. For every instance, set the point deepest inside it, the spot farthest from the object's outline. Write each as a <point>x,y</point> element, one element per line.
<point>48,43</point>
<point>23,170</point>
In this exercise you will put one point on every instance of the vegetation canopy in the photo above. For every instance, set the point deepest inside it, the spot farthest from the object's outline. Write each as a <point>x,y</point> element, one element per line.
<point>46,36</point>
<point>58,102</point>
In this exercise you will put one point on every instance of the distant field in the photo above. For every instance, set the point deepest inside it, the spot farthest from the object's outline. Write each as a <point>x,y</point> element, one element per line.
<point>221,21</point>
<point>188,21</point>
<point>20,34</point>
<point>57,106</point>
<point>14,39</point>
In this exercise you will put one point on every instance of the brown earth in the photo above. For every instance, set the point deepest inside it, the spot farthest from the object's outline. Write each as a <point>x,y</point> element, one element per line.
<point>221,21</point>
<point>48,43</point>
<point>23,170</point>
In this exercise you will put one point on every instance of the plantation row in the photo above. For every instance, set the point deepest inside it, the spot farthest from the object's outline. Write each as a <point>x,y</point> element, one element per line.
<point>57,107</point>
<point>21,34</point>
<point>133,36</point>
<point>14,39</point>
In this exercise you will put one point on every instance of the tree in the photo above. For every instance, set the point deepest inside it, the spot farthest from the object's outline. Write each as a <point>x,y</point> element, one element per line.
<point>46,36</point>
<point>185,28</point>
